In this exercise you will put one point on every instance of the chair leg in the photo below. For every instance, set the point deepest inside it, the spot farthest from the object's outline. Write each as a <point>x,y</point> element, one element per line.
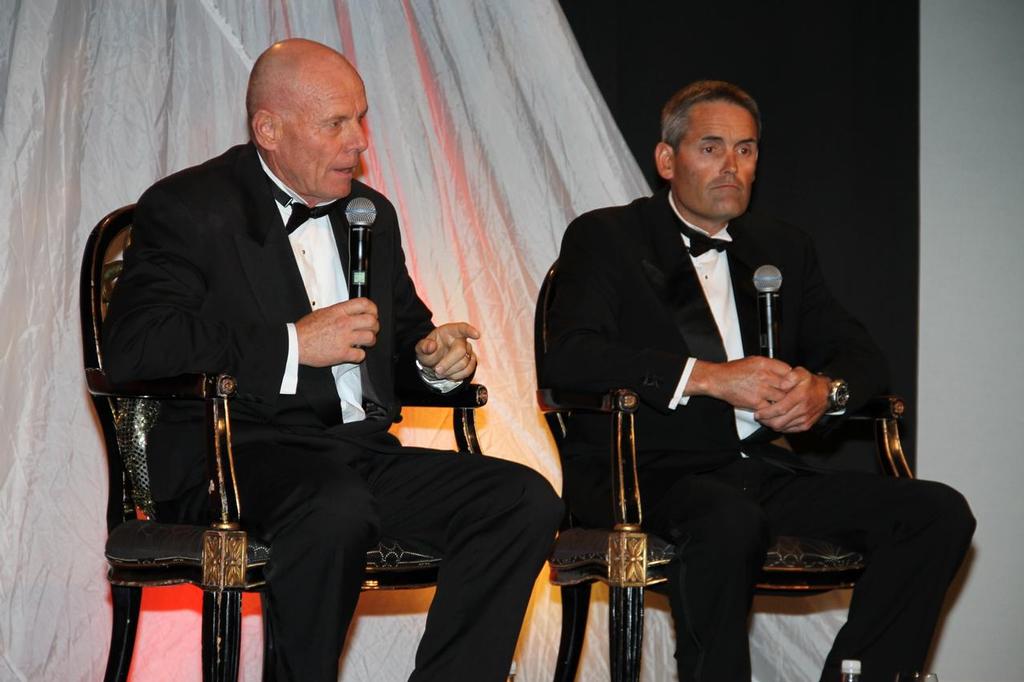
<point>125,602</point>
<point>575,604</point>
<point>625,632</point>
<point>269,652</point>
<point>222,624</point>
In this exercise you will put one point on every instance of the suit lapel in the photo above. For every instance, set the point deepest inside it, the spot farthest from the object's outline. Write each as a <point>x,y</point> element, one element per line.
<point>274,278</point>
<point>746,255</point>
<point>339,224</point>
<point>264,250</point>
<point>743,260</point>
<point>674,279</point>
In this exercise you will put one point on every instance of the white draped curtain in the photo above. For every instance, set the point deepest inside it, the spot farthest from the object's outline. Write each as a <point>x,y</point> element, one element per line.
<point>488,134</point>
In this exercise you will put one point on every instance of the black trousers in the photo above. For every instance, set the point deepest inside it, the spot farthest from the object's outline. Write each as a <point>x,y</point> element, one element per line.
<point>914,534</point>
<point>323,502</point>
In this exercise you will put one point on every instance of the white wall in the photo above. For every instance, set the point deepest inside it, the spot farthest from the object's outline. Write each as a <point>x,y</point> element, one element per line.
<point>971,369</point>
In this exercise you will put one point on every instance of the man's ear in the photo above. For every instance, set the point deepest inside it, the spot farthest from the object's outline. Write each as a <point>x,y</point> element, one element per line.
<point>266,129</point>
<point>665,160</point>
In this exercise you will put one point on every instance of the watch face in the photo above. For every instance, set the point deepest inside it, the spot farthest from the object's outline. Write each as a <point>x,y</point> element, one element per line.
<point>840,393</point>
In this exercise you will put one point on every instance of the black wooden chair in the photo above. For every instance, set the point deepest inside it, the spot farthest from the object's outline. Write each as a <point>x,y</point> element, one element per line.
<point>628,560</point>
<point>220,558</point>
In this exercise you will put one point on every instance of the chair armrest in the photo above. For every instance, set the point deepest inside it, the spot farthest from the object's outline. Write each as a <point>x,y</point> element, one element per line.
<point>615,400</point>
<point>215,390</point>
<point>185,386</point>
<point>621,405</point>
<point>886,411</point>
<point>466,396</point>
<point>462,401</point>
<point>881,407</point>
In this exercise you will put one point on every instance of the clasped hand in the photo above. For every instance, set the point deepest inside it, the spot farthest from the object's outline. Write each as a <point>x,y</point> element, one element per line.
<point>783,398</point>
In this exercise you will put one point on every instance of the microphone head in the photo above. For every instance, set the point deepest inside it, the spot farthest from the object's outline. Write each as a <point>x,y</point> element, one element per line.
<point>767,279</point>
<point>360,211</point>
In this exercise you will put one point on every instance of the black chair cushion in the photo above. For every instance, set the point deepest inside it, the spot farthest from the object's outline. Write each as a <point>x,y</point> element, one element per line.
<point>147,542</point>
<point>808,554</point>
<point>581,554</point>
<point>141,542</point>
<point>391,555</point>
<point>579,546</point>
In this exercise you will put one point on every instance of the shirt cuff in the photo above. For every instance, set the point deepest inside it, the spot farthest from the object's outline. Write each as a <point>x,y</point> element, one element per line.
<point>678,398</point>
<point>290,380</point>
<point>435,382</point>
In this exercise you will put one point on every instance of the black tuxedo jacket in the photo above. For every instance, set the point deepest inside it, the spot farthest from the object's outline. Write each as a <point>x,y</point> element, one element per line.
<point>209,284</point>
<point>628,311</point>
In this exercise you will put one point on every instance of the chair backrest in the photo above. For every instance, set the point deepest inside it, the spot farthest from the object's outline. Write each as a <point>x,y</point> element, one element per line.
<point>125,422</point>
<point>557,421</point>
<point>540,318</point>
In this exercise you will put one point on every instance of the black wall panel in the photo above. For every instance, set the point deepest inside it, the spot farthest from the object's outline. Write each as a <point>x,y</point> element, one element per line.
<point>837,83</point>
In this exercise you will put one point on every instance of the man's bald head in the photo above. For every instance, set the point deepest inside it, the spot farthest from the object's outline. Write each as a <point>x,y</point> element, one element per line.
<point>288,72</point>
<point>306,105</point>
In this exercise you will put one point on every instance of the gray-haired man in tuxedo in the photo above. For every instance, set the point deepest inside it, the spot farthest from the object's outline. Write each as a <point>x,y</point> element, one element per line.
<point>657,296</point>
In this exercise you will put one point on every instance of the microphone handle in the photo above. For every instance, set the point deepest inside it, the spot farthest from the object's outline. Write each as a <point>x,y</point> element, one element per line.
<point>358,261</point>
<point>768,316</point>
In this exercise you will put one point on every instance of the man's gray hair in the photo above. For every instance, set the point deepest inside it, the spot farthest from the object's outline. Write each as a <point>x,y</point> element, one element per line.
<point>675,115</point>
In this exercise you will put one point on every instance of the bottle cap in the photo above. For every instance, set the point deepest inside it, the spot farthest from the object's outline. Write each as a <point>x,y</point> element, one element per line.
<point>850,666</point>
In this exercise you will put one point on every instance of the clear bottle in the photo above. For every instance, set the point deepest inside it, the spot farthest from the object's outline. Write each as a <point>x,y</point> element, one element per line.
<point>849,671</point>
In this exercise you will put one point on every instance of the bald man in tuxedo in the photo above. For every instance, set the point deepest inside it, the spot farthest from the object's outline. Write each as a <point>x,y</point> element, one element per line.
<point>238,265</point>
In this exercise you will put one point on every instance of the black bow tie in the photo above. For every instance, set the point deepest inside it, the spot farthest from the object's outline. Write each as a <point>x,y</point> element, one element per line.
<point>701,243</point>
<point>300,212</point>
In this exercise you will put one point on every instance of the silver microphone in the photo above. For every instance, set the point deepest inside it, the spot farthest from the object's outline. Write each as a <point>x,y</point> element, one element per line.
<point>360,214</point>
<point>768,281</point>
